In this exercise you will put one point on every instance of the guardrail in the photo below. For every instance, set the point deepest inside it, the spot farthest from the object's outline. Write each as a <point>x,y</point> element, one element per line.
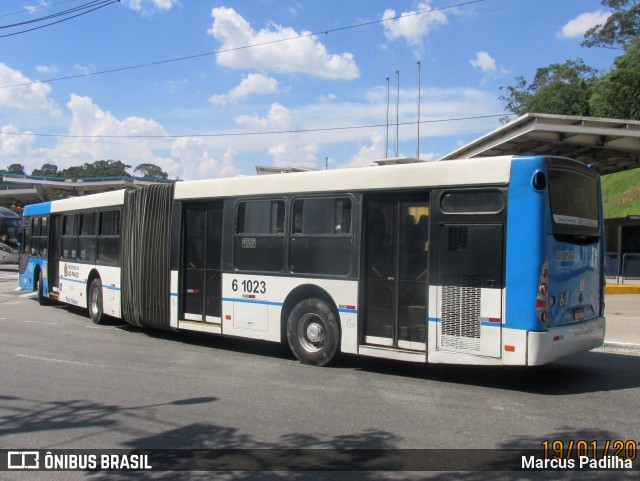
<point>621,271</point>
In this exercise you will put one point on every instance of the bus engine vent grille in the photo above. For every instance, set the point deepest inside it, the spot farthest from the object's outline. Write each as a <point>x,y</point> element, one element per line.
<point>458,238</point>
<point>461,312</point>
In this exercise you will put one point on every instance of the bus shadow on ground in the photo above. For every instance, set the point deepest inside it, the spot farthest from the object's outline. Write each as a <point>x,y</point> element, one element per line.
<point>594,371</point>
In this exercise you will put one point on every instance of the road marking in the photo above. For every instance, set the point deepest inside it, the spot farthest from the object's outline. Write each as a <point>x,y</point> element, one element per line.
<point>47,359</point>
<point>28,294</point>
<point>43,322</point>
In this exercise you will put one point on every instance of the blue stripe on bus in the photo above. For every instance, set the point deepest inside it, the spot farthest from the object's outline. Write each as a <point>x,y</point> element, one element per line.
<point>277,304</point>
<point>482,323</point>
<point>37,209</point>
<point>77,281</point>
<point>252,301</point>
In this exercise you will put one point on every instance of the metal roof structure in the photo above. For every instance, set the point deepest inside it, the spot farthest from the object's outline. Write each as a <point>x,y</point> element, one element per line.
<point>29,189</point>
<point>609,145</point>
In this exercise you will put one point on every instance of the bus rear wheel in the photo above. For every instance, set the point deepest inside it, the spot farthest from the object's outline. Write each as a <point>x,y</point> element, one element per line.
<point>313,332</point>
<point>95,301</point>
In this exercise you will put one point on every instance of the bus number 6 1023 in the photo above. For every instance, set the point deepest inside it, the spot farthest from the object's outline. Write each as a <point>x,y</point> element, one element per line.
<point>250,286</point>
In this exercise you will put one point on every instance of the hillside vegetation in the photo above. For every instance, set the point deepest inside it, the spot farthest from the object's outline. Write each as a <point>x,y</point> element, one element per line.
<point>621,193</point>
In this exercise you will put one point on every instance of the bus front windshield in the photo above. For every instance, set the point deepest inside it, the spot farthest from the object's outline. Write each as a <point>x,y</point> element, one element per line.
<point>574,203</point>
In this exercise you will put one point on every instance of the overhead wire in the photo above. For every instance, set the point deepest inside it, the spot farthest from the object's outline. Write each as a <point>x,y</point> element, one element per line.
<point>83,9</point>
<point>244,47</point>
<point>251,133</point>
<point>33,9</point>
<point>103,3</point>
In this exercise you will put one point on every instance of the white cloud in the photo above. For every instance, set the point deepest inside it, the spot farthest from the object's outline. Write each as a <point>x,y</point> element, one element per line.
<point>412,26</point>
<point>279,117</point>
<point>255,83</point>
<point>196,162</point>
<point>147,6</point>
<point>47,69</point>
<point>583,22</point>
<point>27,96</point>
<point>484,62</point>
<point>91,138</point>
<point>84,69</point>
<point>368,153</point>
<point>14,144</point>
<point>291,153</point>
<point>306,54</point>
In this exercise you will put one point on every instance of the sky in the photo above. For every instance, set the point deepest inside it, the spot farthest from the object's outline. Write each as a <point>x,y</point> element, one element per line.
<point>208,89</point>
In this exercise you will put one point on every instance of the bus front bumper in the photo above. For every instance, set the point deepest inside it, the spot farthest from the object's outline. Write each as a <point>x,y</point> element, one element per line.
<point>561,341</point>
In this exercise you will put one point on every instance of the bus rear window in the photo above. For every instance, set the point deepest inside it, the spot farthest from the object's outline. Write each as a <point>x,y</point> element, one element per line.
<point>574,203</point>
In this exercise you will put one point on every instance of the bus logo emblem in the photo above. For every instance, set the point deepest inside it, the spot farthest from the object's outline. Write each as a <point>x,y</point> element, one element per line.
<point>565,255</point>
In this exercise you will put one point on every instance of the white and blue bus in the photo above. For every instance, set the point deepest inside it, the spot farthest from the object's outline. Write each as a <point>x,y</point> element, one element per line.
<point>9,236</point>
<point>495,261</point>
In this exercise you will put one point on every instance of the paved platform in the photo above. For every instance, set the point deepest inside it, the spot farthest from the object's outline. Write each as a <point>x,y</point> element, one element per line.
<point>623,322</point>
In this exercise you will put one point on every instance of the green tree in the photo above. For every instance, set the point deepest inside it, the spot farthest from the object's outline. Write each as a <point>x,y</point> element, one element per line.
<point>13,169</point>
<point>47,170</point>
<point>151,170</point>
<point>99,168</point>
<point>616,94</point>
<point>560,88</point>
<point>621,27</point>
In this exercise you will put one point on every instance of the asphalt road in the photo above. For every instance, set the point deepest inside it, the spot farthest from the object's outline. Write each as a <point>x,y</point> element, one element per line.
<point>66,383</point>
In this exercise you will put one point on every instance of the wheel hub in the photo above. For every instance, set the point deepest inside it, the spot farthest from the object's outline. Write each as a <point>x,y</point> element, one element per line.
<point>315,332</point>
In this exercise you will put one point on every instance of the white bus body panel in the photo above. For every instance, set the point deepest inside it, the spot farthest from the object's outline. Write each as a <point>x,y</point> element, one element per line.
<point>72,286</point>
<point>252,305</point>
<point>482,343</point>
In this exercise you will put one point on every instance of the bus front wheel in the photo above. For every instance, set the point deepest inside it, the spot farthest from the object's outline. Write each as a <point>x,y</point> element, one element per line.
<point>313,332</point>
<point>42,300</point>
<point>95,301</point>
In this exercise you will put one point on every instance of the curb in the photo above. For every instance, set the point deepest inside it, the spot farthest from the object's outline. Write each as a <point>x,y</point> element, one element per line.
<point>621,346</point>
<point>622,289</point>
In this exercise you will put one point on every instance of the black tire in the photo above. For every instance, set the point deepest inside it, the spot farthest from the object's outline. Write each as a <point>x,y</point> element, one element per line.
<point>94,301</point>
<point>42,300</point>
<point>313,332</point>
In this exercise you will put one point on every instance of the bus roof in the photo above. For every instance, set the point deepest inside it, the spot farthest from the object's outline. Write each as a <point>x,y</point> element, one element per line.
<point>479,171</point>
<point>489,170</point>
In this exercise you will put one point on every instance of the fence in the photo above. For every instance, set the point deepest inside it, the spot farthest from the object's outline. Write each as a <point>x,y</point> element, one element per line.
<point>628,269</point>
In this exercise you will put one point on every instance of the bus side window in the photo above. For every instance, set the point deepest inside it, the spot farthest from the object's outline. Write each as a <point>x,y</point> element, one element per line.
<point>87,239</point>
<point>109,237</point>
<point>259,243</point>
<point>321,236</point>
<point>69,238</point>
<point>35,236</point>
<point>25,247</point>
<point>44,236</point>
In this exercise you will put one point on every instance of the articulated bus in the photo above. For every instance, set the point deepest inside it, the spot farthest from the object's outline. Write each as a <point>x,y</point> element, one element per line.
<point>495,261</point>
<point>9,231</point>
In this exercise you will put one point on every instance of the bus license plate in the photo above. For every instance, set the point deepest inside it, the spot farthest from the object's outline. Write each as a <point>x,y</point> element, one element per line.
<point>578,314</point>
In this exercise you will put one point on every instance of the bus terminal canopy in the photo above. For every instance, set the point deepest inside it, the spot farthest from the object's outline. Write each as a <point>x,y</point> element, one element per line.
<point>608,145</point>
<point>29,189</point>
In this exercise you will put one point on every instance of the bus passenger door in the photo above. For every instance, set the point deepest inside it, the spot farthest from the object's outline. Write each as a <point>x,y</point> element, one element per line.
<point>396,271</point>
<point>202,279</point>
<point>55,223</point>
